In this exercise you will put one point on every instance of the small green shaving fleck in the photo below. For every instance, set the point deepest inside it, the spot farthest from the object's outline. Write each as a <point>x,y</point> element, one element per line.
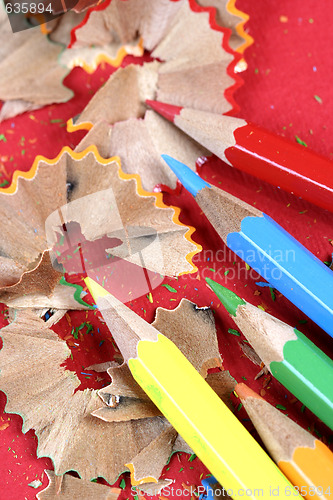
<point>239,406</point>
<point>181,469</point>
<point>89,327</point>
<point>122,484</point>
<point>234,332</point>
<point>76,249</point>
<point>3,138</point>
<point>256,71</point>
<point>36,483</point>
<point>303,321</point>
<point>244,378</point>
<point>272,293</point>
<point>318,99</point>
<point>94,480</point>
<point>77,293</point>
<point>56,120</point>
<point>227,272</point>
<point>4,183</point>
<point>303,408</point>
<point>211,269</point>
<point>299,140</point>
<point>192,457</point>
<point>303,212</point>
<point>280,407</point>
<point>170,288</point>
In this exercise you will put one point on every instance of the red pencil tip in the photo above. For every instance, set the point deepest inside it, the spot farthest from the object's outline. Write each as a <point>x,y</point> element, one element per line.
<point>169,111</point>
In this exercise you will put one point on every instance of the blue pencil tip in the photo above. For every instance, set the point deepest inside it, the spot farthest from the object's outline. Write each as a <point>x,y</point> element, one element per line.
<point>190,180</point>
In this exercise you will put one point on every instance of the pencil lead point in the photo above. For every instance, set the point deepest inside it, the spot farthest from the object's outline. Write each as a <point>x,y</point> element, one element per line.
<point>243,391</point>
<point>190,180</point>
<point>95,289</point>
<point>169,111</point>
<point>229,299</point>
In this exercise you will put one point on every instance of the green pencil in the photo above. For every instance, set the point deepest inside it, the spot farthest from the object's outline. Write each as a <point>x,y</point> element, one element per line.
<point>290,356</point>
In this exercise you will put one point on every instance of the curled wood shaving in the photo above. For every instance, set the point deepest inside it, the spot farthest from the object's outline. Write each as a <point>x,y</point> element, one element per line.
<point>57,192</point>
<point>40,288</point>
<point>30,76</point>
<point>225,18</point>
<point>67,487</point>
<point>193,62</point>
<point>149,138</point>
<point>123,96</point>
<point>45,394</point>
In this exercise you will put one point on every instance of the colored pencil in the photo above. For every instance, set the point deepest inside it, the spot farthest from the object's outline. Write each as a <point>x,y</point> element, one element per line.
<point>290,356</point>
<point>187,401</point>
<point>305,460</point>
<point>256,151</point>
<point>265,246</point>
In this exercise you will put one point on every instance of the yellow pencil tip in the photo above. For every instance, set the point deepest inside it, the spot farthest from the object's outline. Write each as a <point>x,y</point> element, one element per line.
<point>95,289</point>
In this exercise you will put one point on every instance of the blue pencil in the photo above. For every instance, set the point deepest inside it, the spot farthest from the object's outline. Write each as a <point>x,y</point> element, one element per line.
<point>265,246</point>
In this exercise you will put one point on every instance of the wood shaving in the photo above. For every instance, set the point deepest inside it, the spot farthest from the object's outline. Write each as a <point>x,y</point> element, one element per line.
<point>68,487</point>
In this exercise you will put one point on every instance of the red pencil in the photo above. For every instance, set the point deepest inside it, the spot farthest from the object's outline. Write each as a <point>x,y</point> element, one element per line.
<point>256,151</point>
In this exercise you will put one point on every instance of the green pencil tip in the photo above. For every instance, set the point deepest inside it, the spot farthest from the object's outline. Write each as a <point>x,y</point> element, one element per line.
<point>228,298</point>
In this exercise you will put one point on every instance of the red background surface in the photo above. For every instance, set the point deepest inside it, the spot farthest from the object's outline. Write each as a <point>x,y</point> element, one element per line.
<point>288,64</point>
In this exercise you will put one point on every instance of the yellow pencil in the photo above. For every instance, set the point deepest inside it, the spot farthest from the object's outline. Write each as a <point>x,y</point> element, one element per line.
<point>191,406</point>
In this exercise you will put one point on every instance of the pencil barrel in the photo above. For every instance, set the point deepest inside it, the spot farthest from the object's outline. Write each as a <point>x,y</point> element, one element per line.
<point>284,164</point>
<point>312,470</point>
<point>308,373</point>
<point>287,266</point>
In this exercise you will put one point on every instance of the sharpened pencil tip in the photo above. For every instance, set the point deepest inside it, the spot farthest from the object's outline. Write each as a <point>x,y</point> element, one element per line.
<point>190,180</point>
<point>95,289</point>
<point>228,298</point>
<point>168,111</point>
